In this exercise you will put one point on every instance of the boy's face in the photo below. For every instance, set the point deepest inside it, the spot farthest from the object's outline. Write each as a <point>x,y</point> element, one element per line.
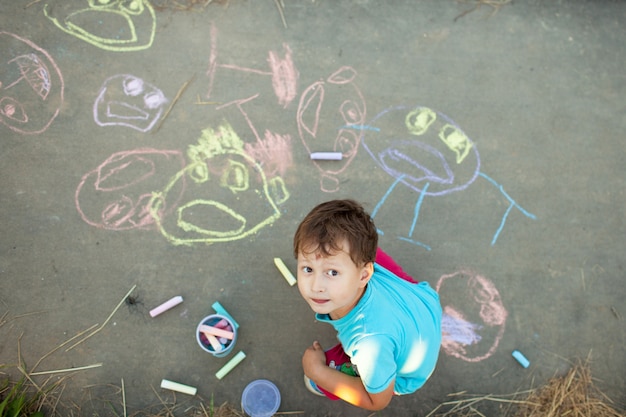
<point>333,284</point>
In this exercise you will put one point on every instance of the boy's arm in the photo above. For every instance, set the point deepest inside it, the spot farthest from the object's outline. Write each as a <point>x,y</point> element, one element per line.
<point>348,388</point>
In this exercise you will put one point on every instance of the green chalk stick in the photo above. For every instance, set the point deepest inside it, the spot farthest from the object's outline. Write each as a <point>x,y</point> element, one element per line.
<point>230,365</point>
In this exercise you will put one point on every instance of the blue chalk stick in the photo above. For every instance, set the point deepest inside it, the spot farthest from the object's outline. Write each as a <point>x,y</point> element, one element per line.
<point>521,358</point>
<point>221,310</point>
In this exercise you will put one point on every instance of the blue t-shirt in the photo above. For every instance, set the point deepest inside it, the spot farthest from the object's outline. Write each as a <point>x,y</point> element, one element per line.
<point>394,331</point>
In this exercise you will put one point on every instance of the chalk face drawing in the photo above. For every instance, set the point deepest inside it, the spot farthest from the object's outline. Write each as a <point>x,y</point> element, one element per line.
<point>228,196</point>
<point>127,100</point>
<point>330,116</point>
<point>113,25</point>
<point>474,316</point>
<point>31,86</point>
<point>115,195</point>
<point>427,152</point>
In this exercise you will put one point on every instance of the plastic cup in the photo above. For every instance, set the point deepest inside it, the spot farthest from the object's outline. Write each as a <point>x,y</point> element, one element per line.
<point>260,398</point>
<point>204,343</point>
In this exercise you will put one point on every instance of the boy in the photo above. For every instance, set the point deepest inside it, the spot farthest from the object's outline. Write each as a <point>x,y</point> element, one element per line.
<point>389,325</point>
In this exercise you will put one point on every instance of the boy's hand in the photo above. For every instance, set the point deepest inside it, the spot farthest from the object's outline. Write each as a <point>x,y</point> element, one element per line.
<point>348,388</point>
<point>313,359</point>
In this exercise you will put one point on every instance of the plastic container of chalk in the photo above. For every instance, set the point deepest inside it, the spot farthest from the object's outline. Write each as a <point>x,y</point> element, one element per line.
<point>260,398</point>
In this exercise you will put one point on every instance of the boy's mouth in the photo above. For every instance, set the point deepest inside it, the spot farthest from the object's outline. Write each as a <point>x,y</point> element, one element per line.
<point>319,301</point>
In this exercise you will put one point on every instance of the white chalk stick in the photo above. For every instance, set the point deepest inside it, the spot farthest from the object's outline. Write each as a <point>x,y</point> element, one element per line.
<point>216,332</point>
<point>175,386</point>
<point>283,270</point>
<point>230,365</point>
<point>330,156</point>
<point>166,306</point>
<point>217,346</point>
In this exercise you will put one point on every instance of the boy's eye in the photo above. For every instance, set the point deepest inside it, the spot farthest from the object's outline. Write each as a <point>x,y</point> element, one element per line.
<point>307,269</point>
<point>333,273</point>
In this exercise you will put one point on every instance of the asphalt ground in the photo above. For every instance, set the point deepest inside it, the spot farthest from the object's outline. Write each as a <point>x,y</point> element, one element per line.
<point>486,137</point>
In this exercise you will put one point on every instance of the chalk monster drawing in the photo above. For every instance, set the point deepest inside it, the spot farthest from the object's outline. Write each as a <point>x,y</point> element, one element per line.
<point>113,25</point>
<point>474,316</point>
<point>31,86</point>
<point>329,115</point>
<point>127,100</point>
<point>228,196</point>
<point>115,195</point>
<point>427,152</point>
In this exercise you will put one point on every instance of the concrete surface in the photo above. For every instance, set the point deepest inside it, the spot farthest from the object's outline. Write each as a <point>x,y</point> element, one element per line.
<point>525,241</point>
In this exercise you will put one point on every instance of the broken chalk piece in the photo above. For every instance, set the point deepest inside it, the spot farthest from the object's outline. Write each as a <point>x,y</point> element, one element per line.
<point>230,365</point>
<point>166,306</point>
<point>330,156</point>
<point>216,332</point>
<point>175,386</point>
<point>283,270</point>
<point>221,310</point>
<point>521,358</point>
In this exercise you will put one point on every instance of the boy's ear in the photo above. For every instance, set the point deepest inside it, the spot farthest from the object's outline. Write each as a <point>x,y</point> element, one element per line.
<point>367,272</point>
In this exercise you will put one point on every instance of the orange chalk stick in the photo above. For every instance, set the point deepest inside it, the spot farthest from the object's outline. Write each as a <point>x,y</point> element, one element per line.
<point>216,332</point>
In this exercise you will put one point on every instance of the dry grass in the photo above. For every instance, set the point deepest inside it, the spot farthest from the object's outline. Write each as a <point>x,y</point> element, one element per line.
<point>572,395</point>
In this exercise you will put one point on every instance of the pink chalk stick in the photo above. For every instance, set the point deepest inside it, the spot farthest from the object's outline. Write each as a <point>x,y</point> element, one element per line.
<point>166,306</point>
<point>222,324</point>
<point>217,346</point>
<point>216,332</point>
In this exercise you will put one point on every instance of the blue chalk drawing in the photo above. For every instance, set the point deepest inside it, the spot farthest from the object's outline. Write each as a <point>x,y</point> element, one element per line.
<point>427,152</point>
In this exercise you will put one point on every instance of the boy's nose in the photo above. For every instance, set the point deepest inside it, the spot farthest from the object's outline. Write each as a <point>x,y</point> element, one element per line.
<point>317,284</point>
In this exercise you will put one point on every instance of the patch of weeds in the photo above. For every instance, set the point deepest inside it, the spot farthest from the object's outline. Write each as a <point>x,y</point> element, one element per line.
<point>18,400</point>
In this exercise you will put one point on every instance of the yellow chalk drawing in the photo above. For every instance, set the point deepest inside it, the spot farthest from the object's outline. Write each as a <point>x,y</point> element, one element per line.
<point>135,20</point>
<point>456,140</point>
<point>419,120</point>
<point>231,196</point>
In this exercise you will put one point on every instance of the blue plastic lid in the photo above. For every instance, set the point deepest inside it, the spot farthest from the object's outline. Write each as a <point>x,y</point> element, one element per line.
<point>260,398</point>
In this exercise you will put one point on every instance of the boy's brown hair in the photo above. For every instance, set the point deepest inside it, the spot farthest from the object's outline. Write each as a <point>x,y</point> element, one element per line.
<point>328,224</point>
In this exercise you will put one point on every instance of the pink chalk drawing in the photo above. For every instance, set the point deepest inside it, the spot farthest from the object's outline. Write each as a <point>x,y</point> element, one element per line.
<point>115,195</point>
<point>330,116</point>
<point>474,316</point>
<point>272,151</point>
<point>126,100</point>
<point>270,148</point>
<point>282,71</point>
<point>31,86</point>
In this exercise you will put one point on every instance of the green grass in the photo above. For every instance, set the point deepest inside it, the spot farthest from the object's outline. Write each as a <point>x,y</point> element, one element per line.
<point>17,400</point>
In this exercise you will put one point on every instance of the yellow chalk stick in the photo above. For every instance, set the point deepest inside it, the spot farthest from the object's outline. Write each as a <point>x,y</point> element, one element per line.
<point>283,270</point>
<point>217,346</point>
<point>230,365</point>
